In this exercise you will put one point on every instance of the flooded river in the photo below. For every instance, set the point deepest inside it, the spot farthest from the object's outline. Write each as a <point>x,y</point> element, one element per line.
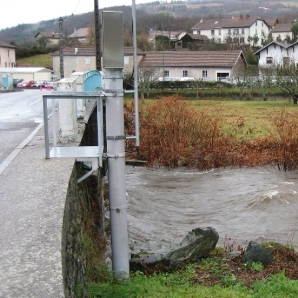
<point>241,204</point>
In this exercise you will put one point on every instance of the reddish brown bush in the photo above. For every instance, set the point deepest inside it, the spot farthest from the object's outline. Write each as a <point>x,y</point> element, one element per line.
<point>173,133</point>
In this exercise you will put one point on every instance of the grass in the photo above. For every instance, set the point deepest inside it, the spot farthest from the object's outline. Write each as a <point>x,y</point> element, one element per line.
<point>42,60</point>
<point>216,276</point>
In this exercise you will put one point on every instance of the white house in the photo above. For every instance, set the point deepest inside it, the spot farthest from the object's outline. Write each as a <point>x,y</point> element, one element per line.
<point>274,53</point>
<point>282,32</point>
<point>7,54</point>
<point>278,54</point>
<point>204,65</point>
<point>235,29</point>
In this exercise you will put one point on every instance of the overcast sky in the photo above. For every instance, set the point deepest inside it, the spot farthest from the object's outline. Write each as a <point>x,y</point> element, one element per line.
<point>15,12</point>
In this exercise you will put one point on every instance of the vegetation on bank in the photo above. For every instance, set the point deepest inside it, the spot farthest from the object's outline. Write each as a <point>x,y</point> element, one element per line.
<point>210,134</point>
<point>203,134</point>
<point>219,275</point>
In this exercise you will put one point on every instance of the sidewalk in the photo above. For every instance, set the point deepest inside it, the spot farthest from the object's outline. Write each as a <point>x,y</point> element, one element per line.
<point>32,197</point>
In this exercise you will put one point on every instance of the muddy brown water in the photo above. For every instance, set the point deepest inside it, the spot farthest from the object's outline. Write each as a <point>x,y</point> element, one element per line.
<point>241,204</point>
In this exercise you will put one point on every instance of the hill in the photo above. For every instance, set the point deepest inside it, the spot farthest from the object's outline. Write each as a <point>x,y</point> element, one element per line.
<point>174,15</point>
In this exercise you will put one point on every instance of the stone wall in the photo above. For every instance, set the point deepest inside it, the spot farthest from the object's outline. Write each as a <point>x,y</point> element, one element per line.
<point>83,222</point>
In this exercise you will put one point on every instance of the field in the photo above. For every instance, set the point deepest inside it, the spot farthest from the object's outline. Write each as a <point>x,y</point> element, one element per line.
<point>43,60</point>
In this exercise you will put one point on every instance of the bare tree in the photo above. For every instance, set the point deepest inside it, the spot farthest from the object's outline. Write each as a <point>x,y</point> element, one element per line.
<point>147,76</point>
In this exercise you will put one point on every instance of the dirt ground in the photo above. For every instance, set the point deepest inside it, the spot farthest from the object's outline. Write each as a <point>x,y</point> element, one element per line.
<point>226,265</point>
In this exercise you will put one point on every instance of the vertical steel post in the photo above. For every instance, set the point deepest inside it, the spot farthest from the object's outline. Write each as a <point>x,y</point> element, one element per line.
<point>113,63</point>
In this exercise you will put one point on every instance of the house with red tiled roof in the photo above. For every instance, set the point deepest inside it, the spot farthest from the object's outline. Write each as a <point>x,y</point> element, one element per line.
<point>83,58</point>
<point>205,65</point>
<point>235,29</point>
<point>282,32</point>
<point>79,35</point>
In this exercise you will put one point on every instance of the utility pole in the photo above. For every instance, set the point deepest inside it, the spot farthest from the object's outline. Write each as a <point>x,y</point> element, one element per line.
<point>61,48</point>
<point>97,36</point>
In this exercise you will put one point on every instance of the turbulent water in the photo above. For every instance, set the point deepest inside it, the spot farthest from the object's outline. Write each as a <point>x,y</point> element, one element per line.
<point>241,204</point>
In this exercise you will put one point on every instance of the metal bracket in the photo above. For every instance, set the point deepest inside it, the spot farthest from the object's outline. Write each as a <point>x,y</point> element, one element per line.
<point>115,138</point>
<point>93,170</point>
<point>120,155</point>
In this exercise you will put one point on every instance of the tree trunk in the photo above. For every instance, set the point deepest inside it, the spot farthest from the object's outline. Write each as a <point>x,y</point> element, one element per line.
<point>295,99</point>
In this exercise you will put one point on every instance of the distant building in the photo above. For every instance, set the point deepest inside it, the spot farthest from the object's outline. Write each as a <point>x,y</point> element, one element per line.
<point>282,32</point>
<point>83,59</point>
<point>51,37</point>
<point>200,65</point>
<point>235,29</point>
<point>79,35</point>
<point>188,40</point>
<point>7,54</point>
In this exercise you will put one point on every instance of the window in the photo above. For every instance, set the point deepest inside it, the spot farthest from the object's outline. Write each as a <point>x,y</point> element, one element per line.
<point>229,31</point>
<point>219,31</point>
<point>242,30</point>
<point>199,31</point>
<point>179,43</point>
<point>236,31</point>
<point>269,60</point>
<point>87,60</point>
<point>166,73</point>
<point>212,32</point>
<point>185,73</point>
<point>8,53</point>
<point>204,73</point>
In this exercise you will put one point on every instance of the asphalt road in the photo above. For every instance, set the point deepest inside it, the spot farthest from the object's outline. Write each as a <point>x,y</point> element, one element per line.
<point>20,113</point>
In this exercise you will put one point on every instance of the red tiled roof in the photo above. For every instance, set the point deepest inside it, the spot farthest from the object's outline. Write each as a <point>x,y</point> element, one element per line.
<point>191,58</point>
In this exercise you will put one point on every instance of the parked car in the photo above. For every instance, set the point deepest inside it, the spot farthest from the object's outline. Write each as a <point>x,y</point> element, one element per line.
<point>39,84</point>
<point>16,82</point>
<point>25,84</point>
<point>51,85</point>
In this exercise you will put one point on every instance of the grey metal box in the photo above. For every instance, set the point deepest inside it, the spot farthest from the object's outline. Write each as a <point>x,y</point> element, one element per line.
<point>112,39</point>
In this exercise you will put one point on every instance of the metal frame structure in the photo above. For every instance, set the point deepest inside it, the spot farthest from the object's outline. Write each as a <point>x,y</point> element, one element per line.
<point>80,153</point>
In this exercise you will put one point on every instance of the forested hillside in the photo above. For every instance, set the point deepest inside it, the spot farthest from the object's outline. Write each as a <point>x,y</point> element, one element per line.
<point>172,15</point>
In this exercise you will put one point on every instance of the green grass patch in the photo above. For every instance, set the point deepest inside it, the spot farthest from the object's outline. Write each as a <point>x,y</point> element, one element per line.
<point>42,60</point>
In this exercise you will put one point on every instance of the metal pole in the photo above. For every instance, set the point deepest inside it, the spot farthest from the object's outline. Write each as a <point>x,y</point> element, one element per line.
<point>135,71</point>
<point>46,126</point>
<point>116,171</point>
<point>97,36</point>
<point>61,48</point>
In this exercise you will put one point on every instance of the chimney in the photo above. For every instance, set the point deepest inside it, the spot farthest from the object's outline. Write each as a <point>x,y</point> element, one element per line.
<point>247,16</point>
<point>241,17</point>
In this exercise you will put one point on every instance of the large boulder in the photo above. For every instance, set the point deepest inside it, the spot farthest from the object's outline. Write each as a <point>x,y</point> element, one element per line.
<point>196,245</point>
<point>256,253</point>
